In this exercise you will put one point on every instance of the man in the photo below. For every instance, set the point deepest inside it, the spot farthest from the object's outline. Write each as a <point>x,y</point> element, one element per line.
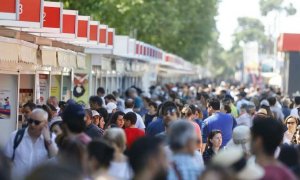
<point>203,99</point>
<point>129,104</point>
<point>244,118</point>
<point>267,135</point>
<point>295,111</point>
<point>183,142</point>
<point>148,159</point>
<point>276,110</point>
<point>73,119</point>
<point>110,98</point>
<point>27,110</point>
<point>132,133</point>
<point>286,102</point>
<point>91,130</point>
<point>29,147</point>
<point>96,103</point>
<point>217,120</point>
<point>101,94</point>
<point>53,101</point>
<point>120,101</point>
<point>138,102</point>
<point>241,100</point>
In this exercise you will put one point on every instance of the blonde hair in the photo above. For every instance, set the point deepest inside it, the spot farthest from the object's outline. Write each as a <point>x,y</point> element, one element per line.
<point>115,136</point>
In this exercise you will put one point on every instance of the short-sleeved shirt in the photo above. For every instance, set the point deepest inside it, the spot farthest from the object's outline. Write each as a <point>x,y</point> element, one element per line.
<point>132,134</point>
<point>218,121</point>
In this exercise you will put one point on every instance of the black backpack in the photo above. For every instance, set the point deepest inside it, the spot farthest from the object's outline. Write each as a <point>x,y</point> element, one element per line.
<point>18,139</point>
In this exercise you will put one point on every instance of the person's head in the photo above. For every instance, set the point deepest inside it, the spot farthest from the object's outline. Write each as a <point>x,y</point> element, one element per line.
<point>291,123</point>
<point>109,98</point>
<point>100,91</point>
<point>188,111</point>
<point>53,110</point>
<point>129,103</point>
<point>27,109</point>
<point>88,117</point>
<point>286,102</point>
<point>118,119</point>
<point>53,101</point>
<point>213,105</point>
<point>147,156</point>
<point>116,138</point>
<point>198,113</point>
<point>130,119</point>
<point>73,118</point>
<point>97,118</point>
<point>152,107</point>
<point>214,139</point>
<point>47,109</point>
<point>297,100</point>
<point>242,95</point>
<point>267,134</point>
<point>37,121</point>
<point>116,94</point>
<point>182,137</point>
<point>169,112</point>
<point>95,102</point>
<point>241,138</point>
<point>204,98</point>
<point>272,101</point>
<point>227,108</point>
<point>111,107</point>
<point>100,155</point>
<point>55,126</point>
<point>132,93</point>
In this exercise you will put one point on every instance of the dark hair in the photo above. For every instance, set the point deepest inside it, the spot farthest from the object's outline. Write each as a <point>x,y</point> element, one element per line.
<point>102,152</point>
<point>52,108</point>
<point>100,90</point>
<point>270,131</point>
<point>141,151</point>
<point>30,105</point>
<point>166,106</point>
<point>204,95</point>
<point>130,116</point>
<point>214,103</point>
<point>211,136</point>
<point>227,108</point>
<point>96,99</point>
<point>62,104</point>
<point>288,155</point>
<point>151,103</point>
<point>129,103</point>
<point>110,97</point>
<point>297,100</point>
<point>73,117</point>
<point>115,116</point>
<point>272,101</point>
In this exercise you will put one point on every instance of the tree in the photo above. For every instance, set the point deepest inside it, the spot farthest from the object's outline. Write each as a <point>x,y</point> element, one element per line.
<point>267,6</point>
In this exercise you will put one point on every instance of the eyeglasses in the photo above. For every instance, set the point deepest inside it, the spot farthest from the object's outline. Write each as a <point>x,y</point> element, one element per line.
<point>170,112</point>
<point>36,122</point>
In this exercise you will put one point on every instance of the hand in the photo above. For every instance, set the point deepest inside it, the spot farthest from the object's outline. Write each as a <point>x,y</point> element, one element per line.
<point>46,133</point>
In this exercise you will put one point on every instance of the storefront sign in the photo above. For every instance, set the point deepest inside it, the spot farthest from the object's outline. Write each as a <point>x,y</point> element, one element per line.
<point>93,31</point>
<point>8,9</point>
<point>52,15</point>
<point>81,88</point>
<point>5,107</point>
<point>110,34</point>
<point>70,23</point>
<point>83,26</point>
<point>103,34</point>
<point>43,87</point>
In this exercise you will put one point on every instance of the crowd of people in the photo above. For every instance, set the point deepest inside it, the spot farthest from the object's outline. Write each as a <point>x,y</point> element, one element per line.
<point>176,132</point>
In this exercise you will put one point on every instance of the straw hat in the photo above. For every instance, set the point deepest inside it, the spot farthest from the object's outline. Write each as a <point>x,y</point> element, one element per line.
<point>233,158</point>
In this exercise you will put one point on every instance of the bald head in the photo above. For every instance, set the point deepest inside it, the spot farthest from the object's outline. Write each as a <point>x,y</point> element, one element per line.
<point>39,114</point>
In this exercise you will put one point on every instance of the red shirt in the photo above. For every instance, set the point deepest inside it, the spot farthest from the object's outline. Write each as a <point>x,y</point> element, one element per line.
<point>133,134</point>
<point>278,172</point>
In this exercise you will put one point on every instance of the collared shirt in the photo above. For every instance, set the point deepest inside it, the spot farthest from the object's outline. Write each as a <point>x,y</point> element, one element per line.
<point>139,121</point>
<point>185,166</point>
<point>28,154</point>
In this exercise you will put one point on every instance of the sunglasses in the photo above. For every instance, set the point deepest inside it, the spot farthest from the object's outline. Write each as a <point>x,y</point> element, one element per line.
<point>33,121</point>
<point>170,111</point>
<point>290,122</point>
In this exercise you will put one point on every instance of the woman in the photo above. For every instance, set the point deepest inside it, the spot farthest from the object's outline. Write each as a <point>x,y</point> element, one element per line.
<point>117,119</point>
<point>296,137</point>
<point>291,123</point>
<point>214,142</point>
<point>100,156</point>
<point>152,111</point>
<point>98,120</point>
<point>119,167</point>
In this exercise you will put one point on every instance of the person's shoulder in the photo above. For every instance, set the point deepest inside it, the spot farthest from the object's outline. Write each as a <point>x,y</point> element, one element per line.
<point>280,170</point>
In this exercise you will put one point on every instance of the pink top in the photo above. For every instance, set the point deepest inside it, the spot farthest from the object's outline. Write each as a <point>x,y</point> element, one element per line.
<point>278,172</point>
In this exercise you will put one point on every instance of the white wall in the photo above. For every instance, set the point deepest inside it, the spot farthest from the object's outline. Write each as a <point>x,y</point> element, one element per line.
<point>9,82</point>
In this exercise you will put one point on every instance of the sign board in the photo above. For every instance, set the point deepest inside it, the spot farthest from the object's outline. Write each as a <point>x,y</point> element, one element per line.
<point>103,34</point>
<point>8,9</point>
<point>83,27</point>
<point>93,30</point>
<point>53,12</point>
<point>110,38</point>
<point>70,23</point>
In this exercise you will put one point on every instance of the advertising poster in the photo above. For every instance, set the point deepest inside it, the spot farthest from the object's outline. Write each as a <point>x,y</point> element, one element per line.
<point>81,88</point>
<point>55,86</point>
<point>26,95</point>
<point>44,86</point>
<point>5,108</point>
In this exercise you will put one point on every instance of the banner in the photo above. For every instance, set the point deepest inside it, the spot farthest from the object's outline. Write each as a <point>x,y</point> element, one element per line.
<point>44,87</point>
<point>5,108</point>
<point>26,95</point>
<point>81,88</point>
<point>55,86</point>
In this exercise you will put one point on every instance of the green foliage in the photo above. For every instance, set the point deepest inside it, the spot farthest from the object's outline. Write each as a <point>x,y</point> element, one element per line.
<point>182,27</point>
<point>267,6</point>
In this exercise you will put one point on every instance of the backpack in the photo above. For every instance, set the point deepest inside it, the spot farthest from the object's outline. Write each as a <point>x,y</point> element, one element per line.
<point>18,139</point>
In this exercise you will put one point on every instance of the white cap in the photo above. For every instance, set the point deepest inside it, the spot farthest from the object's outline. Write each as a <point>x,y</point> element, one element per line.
<point>95,113</point>
<point>110,107</point>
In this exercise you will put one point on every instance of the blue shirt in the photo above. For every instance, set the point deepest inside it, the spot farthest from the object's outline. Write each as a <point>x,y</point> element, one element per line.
<point>155,127</point>
<point>219,121</point>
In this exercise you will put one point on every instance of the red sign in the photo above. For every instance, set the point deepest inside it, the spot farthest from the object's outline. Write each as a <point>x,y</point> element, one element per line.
<point>82,28</point>
<point>110,38</point>
<point>8,6</point>
<point>51,17</point>
<point>93,32</point>
<point>69,23</point>
<point>30,10</point>
<point>137,49</point>
<point>102,38</point>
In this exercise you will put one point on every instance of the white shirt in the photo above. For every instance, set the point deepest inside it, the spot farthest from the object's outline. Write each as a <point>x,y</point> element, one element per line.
<point>120,170</point>
<point>244,119</point>
<point>294,112</point>
<point>139,120</point>
<point>28,155</point>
